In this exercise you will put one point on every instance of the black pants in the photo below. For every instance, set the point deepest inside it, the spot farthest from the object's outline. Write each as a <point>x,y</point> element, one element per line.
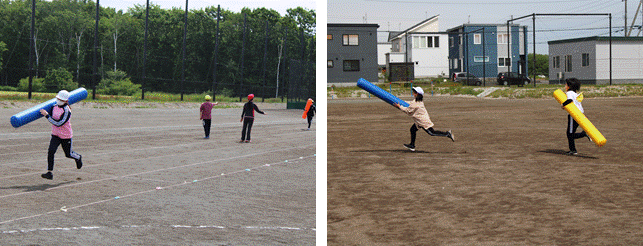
<point>247,125</point>
<point>310,119</point>
<point>206,126</point>
<point>53,146</point>
<point>430,131</point>
<point>572,125</point>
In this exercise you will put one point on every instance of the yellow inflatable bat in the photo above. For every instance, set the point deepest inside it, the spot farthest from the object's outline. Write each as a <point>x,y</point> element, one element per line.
<point>582,120</point>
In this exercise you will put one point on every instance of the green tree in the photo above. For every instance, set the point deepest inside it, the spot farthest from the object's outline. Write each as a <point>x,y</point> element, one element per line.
<point>3,48</point>
<point>117,83</point>
<point>542,65</point>
<point>59,79</point>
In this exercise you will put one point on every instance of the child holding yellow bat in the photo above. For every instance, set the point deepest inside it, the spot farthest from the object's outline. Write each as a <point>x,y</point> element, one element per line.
<point>572,86</point>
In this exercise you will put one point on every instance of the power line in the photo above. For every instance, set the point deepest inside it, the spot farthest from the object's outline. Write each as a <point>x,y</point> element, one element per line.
<point>480,2</point>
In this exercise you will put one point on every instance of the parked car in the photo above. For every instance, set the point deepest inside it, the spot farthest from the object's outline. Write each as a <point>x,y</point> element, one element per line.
<point>466,79</point>
<point>512,78</point>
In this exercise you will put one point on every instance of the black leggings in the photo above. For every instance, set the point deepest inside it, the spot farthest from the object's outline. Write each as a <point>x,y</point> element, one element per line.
<point>206,126</point>
<point>572,125</point>
<point>247,125</point>
<point>430,131</point>
<point>310,119</point>
<point>53,146</point>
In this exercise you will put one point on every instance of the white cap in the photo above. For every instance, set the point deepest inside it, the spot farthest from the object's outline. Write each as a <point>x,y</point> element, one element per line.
<point>418,90</point>
<point>63,95</point>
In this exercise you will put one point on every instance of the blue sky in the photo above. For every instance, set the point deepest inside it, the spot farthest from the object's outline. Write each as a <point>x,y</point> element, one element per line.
<point>398,15</point>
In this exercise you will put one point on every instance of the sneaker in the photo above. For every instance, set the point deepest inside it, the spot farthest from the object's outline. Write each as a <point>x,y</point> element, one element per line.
<point>242,141</point>
<point>79,162</point>
<point>451,136</point>
<point>47,175</point>
<point>206,137</point>
<point>410,147</point>
<point>248,141</point>
<point>571,153</point>
<point>590,139</point>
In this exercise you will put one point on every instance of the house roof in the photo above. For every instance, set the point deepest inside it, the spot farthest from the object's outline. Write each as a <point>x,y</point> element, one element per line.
<point>397,35</point>
<point>478,25</point>
<point>595,38</point>
<point>351,25</point>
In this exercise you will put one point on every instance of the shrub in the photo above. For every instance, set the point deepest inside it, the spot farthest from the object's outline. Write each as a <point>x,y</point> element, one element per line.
<point>117,83</point>
<point>59,79</point>
<point>8,88</point>
<point>37,85</point>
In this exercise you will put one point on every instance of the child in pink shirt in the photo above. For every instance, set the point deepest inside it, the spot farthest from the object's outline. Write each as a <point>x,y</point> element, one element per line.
<point>206,115</point>
<point>61,132</point>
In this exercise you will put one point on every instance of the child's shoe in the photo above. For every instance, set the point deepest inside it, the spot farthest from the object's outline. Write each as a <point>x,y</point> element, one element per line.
<point>451,136</point>
<point>571,153</point>
<point>410,147</point>
<point>47,175</point>
<point>79,162</point>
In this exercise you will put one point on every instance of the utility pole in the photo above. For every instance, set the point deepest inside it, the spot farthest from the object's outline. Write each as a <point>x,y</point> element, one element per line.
<point>625,28</point>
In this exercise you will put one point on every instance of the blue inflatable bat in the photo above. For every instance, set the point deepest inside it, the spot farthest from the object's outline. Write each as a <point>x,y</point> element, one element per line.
<point>381,93</point>
<point>29,115</point>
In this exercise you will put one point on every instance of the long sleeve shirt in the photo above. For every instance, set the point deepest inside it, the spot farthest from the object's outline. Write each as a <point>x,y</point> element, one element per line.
<point>418,112</point>
<point>59,118</point>
<point>249,110</point>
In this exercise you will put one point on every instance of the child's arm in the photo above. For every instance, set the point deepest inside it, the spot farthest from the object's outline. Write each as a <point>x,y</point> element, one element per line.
<point>257,109</point>
<point>63,119</point>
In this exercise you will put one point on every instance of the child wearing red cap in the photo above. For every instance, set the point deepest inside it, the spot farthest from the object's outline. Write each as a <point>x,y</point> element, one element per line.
<point>248,117</point>
<point>61,132</point>
<point>421,118</point>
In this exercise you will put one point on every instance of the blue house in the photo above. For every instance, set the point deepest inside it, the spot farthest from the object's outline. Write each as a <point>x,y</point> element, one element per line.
<point>502,51</point>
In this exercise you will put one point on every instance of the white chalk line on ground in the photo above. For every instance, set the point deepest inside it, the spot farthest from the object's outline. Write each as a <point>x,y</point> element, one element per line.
<point>80,228</point>
<point>143,129</point>
<point>500,160</point>
<point>159,188</point>
<point>128,150</point>
<point>146,158</point>
<point>81,147</point>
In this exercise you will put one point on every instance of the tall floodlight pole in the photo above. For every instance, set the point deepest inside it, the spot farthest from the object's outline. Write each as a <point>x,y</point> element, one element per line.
<point>243,51</point>
<point>534,33</point>
<point>216,54</point>
<point>265,53</point>
<point>94,74</point>
<point>484,61</point>
<point>185,32</point>
<point>610,17</point>
<point>147,15</point>
<point>32,44</point>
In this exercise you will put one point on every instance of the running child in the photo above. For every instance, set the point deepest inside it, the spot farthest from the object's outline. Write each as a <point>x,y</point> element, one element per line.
<point>61,132</point>
<point>248,117</point>
<point>206,115</point>
<point>421,118</point>
<point>572,86</point>
<point>310,113</point>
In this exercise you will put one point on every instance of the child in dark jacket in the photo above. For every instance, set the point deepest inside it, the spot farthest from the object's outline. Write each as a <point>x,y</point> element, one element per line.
<point>248,118</point>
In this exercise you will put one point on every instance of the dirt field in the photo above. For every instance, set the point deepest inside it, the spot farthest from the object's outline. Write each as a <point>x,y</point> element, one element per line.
<point>149,178</point>
<point>504,181</point>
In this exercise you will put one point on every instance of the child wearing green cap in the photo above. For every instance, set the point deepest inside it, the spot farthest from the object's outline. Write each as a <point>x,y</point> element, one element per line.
<point>206,115</point>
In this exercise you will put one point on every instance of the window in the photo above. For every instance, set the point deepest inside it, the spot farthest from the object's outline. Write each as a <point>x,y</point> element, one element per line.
<point>503,38</point>
<point>504,62</point>
<point>416,42</point>
<point>351,65</point>
<point>455,63</point>
<point>330,63</point>
<point>451,41</point>
<point>351,39</point>
<point>479,59</point>
<point>428,42</point>
<point>460,39</point>
<point>556,62</point>
<point>585,59</point>
<point>436,41</point>
<point>568,63</point>
<point>477,38</point>
<point>329,37</point>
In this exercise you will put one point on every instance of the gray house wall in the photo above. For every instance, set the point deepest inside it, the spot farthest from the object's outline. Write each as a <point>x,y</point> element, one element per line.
<point>365,52</point>
<point>587,75</point>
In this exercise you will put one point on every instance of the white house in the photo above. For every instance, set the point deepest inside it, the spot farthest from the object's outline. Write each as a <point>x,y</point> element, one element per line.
<point>587,59</point>
<point>423,45</point>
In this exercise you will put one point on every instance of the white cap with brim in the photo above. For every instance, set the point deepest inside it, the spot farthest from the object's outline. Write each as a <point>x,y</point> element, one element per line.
<point>418,90</point>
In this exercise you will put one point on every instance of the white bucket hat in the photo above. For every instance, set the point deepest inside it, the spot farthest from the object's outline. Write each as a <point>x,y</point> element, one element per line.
<point>63,95</point>
<point>418,90</point>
